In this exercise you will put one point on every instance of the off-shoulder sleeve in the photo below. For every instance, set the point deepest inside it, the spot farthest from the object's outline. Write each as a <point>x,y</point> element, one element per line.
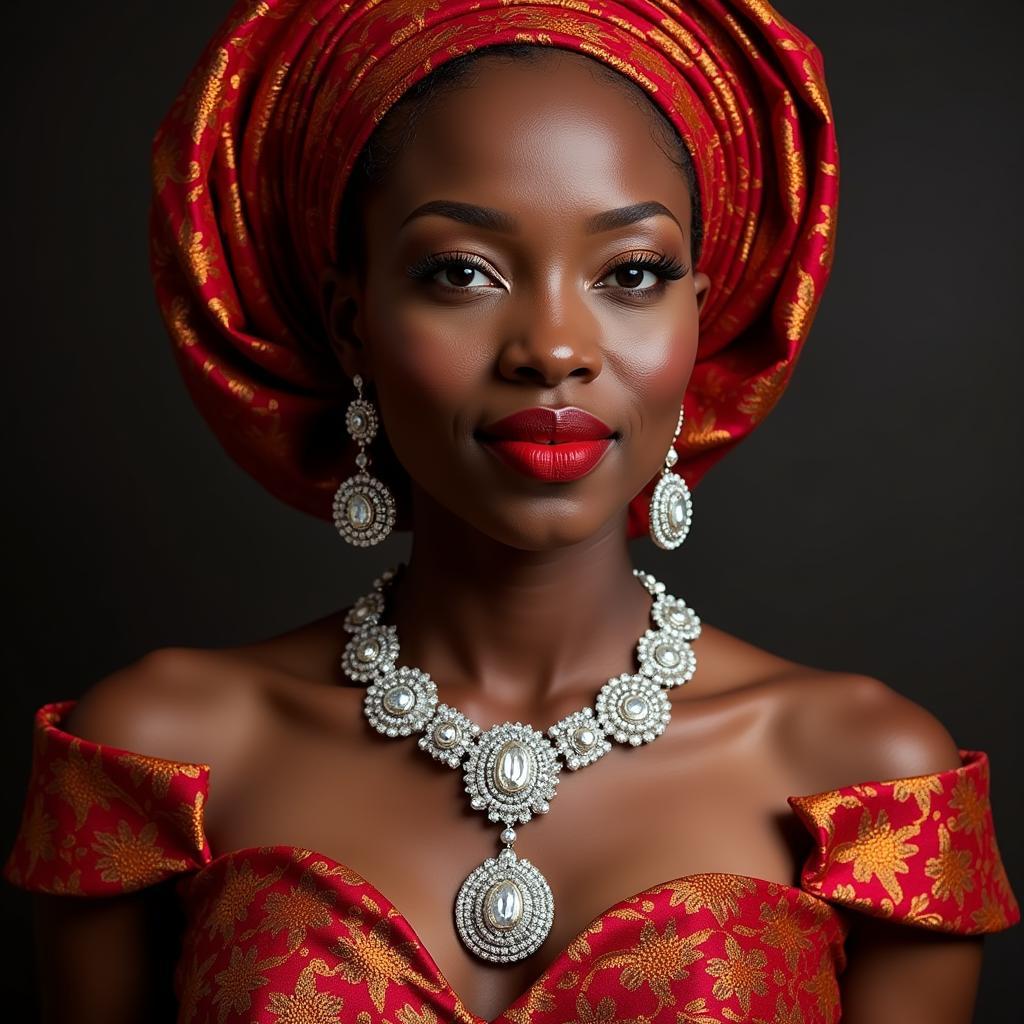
<point>921,850</point>
<point>99,820</point>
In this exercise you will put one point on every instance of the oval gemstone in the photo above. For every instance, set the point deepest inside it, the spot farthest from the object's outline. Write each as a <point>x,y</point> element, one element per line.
<point>358,422</point>
<point>678,617</point>
<point>634,707</point>
<point>666,655</point>
<point>585,738</point>
<point>446,735</point>
<point>360,511</point>
<point>677,512</point>
<point>504,904</point>
<point>512,768</point>
<point>369,651</point>
<point>399,699</point>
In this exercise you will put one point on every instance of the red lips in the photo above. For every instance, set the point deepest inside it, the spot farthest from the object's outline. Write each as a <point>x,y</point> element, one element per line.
<point>556,445</point>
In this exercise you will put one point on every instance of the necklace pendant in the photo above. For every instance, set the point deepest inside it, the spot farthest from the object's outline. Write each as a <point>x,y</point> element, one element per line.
<point>512,773</point>
<point>504,909</point>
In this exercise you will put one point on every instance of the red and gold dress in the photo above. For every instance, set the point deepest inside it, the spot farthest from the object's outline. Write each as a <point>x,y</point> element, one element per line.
<point>279,934</point>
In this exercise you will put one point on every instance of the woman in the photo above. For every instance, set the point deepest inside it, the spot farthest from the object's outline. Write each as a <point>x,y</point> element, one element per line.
<point>463,240</point>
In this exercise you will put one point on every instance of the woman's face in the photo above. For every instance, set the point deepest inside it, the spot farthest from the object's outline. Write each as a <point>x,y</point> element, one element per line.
<point>499,278</point>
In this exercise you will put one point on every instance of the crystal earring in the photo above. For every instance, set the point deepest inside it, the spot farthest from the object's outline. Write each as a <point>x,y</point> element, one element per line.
<point>364,509</point>
<point>671,511</point>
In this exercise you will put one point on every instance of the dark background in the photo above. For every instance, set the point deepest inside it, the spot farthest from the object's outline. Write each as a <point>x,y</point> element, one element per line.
<point>870,525</point>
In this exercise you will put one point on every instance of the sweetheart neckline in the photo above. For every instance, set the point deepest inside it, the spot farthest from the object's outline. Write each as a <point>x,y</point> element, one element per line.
<point>559,957</point>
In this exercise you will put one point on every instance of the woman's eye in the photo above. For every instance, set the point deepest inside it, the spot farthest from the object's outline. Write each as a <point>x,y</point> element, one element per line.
<point>453,271</point>
<point>645,274</point>
<point>463,275</point>
<point>634,276</point>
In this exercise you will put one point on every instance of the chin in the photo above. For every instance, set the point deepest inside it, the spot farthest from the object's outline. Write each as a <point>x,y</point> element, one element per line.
<point>538,528</point>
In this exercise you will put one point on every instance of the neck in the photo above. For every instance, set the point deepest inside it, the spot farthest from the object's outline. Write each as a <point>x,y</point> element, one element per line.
<point>511,632</point>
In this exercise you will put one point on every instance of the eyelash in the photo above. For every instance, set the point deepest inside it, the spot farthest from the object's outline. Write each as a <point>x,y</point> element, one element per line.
<point>665,267</point>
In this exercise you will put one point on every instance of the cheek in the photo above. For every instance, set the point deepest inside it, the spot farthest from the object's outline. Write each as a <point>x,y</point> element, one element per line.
<point>427,375</point>
<point>656,365</point>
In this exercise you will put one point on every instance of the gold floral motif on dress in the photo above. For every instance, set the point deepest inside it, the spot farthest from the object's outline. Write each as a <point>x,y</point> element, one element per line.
<point>879,851</point>
<point>36,835</point>
<point>306,1003</point>
<point>719,893</point>
<point>133,860</point>
<point>306,905</point>
<point>195,987</point>
<point>782,929</point>
<point>740,973</point>
<point>378,960</point>
<point>953,870</point>
<point>921,788</point>
<point>83,782</point>
<point>973,809</point>
<point>824,989</point>
<point>158,771</point>
<point>233,900</point>
<point>657,959</point>
<point>236,983</point>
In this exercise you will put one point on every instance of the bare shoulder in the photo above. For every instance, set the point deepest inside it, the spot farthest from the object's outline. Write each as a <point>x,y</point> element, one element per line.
<point>845,728</point>
<point>177,703</point>
<point>203,705</point>
<point>828,729</point>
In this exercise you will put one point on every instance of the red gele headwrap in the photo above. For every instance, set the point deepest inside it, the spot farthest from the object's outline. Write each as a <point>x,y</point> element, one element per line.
<point>249,168</point>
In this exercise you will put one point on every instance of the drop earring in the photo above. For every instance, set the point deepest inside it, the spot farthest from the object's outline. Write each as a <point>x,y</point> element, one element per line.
<point>671,510</point>
<point>364,509</point>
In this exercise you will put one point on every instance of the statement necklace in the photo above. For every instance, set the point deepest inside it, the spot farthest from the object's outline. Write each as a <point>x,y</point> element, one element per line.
<point>504,909</point>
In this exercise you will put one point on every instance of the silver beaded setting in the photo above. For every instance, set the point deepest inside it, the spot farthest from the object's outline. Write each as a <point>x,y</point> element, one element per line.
<point>504,909</point>
<point>512,773</point>
<point>579,738</point>
<point>371,652</point>
<point>633,709</point>
<point>449,736</point>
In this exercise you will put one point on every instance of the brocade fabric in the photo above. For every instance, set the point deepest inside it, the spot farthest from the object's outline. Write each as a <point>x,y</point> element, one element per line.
<point>279,934</point>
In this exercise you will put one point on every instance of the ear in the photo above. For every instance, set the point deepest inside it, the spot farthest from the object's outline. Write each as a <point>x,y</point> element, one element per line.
<point>701,285</point>
<point>341,308</point>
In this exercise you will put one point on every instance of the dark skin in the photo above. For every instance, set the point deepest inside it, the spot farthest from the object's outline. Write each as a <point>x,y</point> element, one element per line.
<point>507,579</point>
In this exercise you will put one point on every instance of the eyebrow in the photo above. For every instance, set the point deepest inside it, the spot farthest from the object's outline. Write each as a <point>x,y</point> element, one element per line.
<point>498,220</point>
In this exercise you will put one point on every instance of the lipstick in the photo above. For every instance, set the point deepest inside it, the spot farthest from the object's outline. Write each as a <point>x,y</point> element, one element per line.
<point>554,445</point>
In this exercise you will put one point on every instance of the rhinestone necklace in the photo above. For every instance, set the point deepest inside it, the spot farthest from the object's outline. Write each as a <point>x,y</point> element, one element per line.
<point>504,908</point>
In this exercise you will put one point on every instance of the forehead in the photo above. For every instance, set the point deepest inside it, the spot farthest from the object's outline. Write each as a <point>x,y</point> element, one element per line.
<point>551,135</point>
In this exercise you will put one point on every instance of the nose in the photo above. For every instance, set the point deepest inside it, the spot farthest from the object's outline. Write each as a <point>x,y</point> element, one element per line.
<point>554,337</point>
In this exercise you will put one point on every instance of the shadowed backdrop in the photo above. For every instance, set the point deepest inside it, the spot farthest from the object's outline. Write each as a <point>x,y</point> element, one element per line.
<point>871,524</point>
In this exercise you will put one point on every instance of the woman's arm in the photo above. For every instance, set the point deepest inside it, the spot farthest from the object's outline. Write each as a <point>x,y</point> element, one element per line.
<point>111,959</point>
<point>897,973</point>
<point>107,960</point>
<point>902,975</point>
